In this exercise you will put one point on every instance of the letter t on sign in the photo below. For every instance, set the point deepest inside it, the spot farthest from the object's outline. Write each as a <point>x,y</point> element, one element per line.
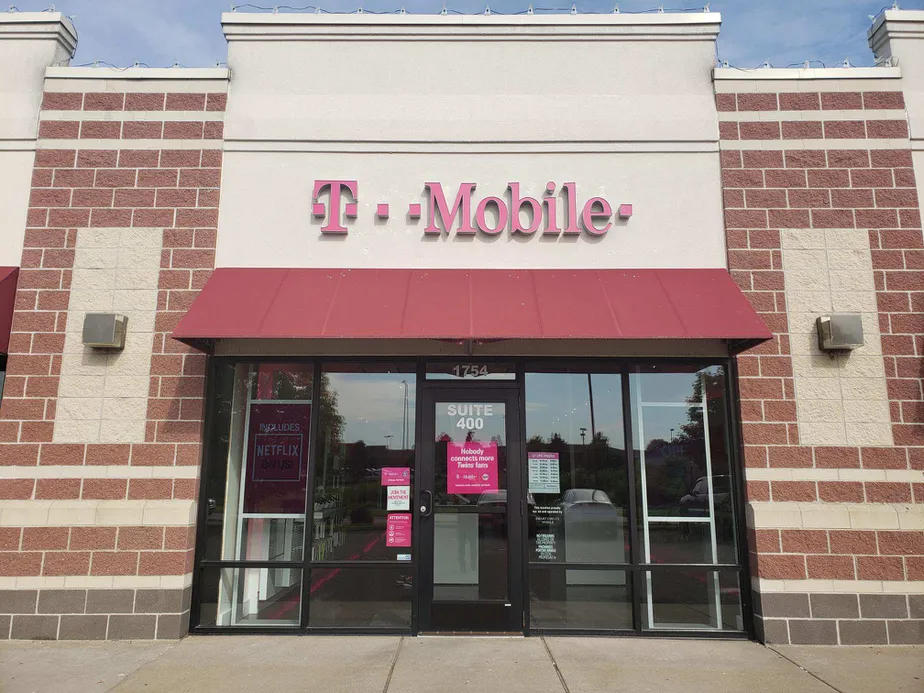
<point>333,208</point>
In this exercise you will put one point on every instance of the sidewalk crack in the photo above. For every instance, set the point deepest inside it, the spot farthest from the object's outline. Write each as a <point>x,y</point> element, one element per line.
<point>810,673</point>
<point>394,661</point>
<point>561,678</point>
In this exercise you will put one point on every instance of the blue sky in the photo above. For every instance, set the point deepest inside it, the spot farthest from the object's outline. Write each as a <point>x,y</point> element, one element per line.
<point>161,32</point>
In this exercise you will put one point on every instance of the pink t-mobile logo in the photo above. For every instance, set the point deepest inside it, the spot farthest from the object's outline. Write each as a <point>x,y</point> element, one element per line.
<point>332,212</point>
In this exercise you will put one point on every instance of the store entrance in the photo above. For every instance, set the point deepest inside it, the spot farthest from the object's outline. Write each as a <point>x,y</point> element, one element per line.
<point>470,510</point>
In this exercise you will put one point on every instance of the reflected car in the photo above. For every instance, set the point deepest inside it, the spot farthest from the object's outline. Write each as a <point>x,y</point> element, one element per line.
<point>594,528</point>
<point>491,501</point>
<point>574,496</point>
<point>696,502</point>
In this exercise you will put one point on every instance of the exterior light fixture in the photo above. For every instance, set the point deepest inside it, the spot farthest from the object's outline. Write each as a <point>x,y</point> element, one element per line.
<point>839,332</point>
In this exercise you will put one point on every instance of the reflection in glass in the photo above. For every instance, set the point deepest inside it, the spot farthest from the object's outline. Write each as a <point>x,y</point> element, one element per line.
<point>579,598</point>
<point>250,597</point>
<point>258,462</point>
<point>360,598</point>
<point>470,502</point>
<point>687,599</point>
<point>577,470</point>
<point>366,426</point>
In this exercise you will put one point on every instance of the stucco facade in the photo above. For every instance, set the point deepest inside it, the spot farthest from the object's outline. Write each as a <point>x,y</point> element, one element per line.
<point>123,190</point>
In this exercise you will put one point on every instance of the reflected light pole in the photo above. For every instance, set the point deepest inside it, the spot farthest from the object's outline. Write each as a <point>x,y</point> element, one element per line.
<point>404,421</point>
<point>388,441</point>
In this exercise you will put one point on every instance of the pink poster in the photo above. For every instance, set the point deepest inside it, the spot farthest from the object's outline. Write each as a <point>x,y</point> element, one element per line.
<point>396,476</point>
<point>471,467</point>
<point>277,458</point>
<point>398,530</point>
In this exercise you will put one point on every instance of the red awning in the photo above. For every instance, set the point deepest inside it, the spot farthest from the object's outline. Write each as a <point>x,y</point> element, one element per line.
<point>482,305</point>
<point>8,278</point>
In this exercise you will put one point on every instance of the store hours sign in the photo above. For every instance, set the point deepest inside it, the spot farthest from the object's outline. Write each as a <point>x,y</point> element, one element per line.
<point>559,210</point>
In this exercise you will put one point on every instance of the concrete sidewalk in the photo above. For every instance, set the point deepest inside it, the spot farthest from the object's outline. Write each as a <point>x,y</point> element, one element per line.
<point>447,665</point>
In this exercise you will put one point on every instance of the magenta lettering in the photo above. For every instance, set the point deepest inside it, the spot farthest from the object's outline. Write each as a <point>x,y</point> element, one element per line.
<point>333,208</point>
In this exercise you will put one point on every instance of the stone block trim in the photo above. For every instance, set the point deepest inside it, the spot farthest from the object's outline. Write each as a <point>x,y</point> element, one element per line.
<point>840,619</point>
<point>95,195</point>
<point>856,208</point>
<point>94,614</point>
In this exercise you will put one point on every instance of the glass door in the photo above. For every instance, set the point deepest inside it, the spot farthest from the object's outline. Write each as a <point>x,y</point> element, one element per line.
<point>470,509</point>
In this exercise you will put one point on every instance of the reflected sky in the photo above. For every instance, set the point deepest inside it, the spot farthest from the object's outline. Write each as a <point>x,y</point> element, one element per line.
<point>371,405</point>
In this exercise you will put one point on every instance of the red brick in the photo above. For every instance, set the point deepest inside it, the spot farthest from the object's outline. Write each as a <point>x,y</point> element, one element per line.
<point>115,178</point>
<point>829,178</point>
<point>92,197</point>
<point>888,492</point>
<point>179,538</point>
<point>209,197</point>
<point>871,178</point>
<point>144,102</point>
<point>100,129</point>
<point>152,455</point>
<point>57,489</point>
<point>216,102</point>
<point>887,129</point>
<point>909,218</point>
<point>211,158</point>
<point>805,158</point>
<point>789,218</point>
<point>44,538</point>
<point>844,129</point>
<point>915,568</point>
<point>764,540</point>
<point>841,101</point>
<point>55,158</point>
<point>903,434</point>
<point>153,218</point>
<point>876,218</point>
<point>883,100</point>
<point>163,563</point>
<point>107,454</point>
<point>765,433</point>
<point>150,489</point>
<point>183,130</point>
<point>60,454</point>
<point>799,101</point>
<point>186,489</point>
<point>802,130</point>
<point>903,389</point>
<point>782,567</point>
<point>793,491</point>
<point>901,543</point>
<point>852,542</point>
<point>214,131</point>
<point>808,199</point>
<point>104,489</point>
<point>66,563</point>
<point>789,457</point>
<point>91,538</point>
<point>103,101</point>
<point>730,158</point>
<point>833,219</point>
<point>734,218</point>
<point>50,197</point>
<point>726,103</point>
<point>9,538</point>
<point>115,563</point>
<point>142,130</point>
<point>141,538</point>
<point>736,179</point>
<point>157,178</point>
<point>758,491</point>
<point>759,130</point>
<point>901,324</point>
<point>139,158</point>
<point>180,158</point>
<point>210,178</point>
<point>880,568</point>
<point>59,129</point>
<point>176,197</point>
<point>830,567</point>
<point>68,218</point>
<point>852,198</point>
<point>840,491</point>
<point>134,197</point>
<point>804,541</point>
<point>109,218</point>
<point>893,197</point>
<point>20,564</point>
<point>785,178</point>
<point>185,102</point>
<point>884,458</point>
<point>837,457</point>
<point>62,101</point>
<point>757,102</point>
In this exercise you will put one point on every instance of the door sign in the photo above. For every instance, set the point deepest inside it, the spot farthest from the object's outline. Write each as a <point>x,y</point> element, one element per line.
<point>396,476</point>
<point>398,529</point>
<point>470,417</point>
<point>471,467</point>
<point>399,498</point>
<point>543,472</point>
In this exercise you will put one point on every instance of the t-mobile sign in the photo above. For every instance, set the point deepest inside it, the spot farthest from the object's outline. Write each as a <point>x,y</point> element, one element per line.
<point>471,467</point>
<point>557,211</point>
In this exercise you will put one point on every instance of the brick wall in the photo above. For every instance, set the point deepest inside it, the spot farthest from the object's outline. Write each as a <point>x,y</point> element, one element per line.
<point>97,533</point>
<point>822,215</point>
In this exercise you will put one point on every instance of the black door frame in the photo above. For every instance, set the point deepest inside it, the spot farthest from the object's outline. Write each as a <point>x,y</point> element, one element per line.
<point>508,392</point>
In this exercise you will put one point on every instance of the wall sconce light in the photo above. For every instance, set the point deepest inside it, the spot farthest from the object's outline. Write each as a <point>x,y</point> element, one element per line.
<point>839,332</point>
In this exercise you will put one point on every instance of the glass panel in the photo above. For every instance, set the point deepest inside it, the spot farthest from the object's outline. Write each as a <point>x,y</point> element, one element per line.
<point>250,597</point>
<point>692,599</point>
<point>683,462</point>
<point>257,470</point>
<point>577,469</point>
<point>365,463</point>
<point>470,502</point>
<point>360,598</point>
<point>471,370</point>
<point>563,597</point>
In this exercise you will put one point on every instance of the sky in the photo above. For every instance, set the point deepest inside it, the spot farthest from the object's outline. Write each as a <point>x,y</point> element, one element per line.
<point>160,33</point>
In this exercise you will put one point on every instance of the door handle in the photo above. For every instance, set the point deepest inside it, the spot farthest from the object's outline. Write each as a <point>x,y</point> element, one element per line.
<point>426,506</point>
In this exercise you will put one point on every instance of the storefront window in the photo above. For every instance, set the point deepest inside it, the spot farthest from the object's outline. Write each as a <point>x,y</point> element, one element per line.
<point>363,480</point>
<point>686,492</point>
<point>578,500</point>
<point>255,491</point>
